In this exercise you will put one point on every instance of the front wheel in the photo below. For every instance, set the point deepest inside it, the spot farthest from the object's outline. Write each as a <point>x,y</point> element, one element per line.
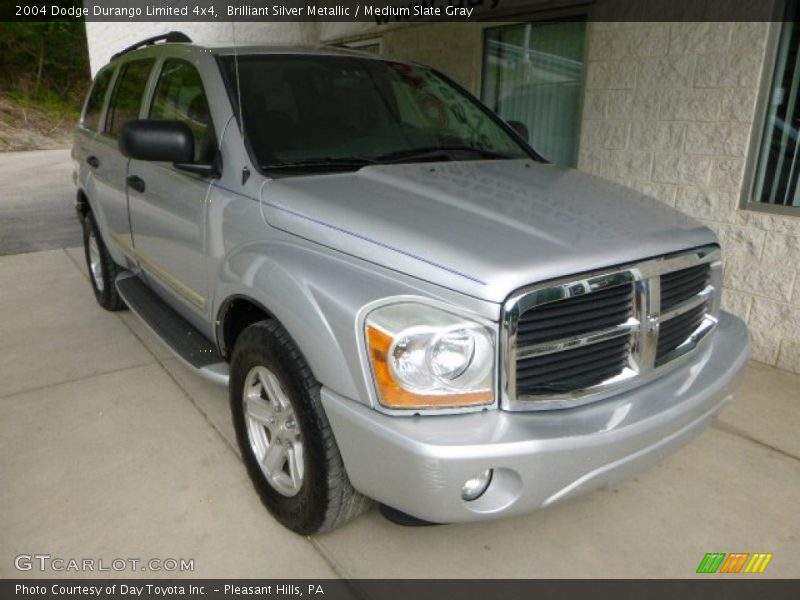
<point>286,441</point>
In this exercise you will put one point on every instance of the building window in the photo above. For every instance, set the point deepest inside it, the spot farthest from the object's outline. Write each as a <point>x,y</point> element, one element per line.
<point>777,169</point>
<point>533,73</point>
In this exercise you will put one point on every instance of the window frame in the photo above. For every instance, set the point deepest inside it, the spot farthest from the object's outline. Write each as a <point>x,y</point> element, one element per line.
<point>152,90</point>
<point>147,93</point>
<point>111,70</point>
<point>758,128</point>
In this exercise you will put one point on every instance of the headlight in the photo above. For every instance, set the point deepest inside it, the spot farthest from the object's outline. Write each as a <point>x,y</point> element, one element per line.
<point>425,357</point>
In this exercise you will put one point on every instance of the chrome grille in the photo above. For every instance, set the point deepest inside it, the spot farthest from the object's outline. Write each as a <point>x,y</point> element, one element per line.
<point>676,331</point>
<point>575,316</point>
<point>550,368</point>
<point>567,370</point>
<point>579,339</point>
<point>680,285</point>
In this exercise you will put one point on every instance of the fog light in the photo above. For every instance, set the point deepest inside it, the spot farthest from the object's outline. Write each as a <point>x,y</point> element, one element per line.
<point>476,486</point>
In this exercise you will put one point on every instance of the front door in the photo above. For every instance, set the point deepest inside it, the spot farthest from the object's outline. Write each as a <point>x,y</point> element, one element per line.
<point>168,206</point>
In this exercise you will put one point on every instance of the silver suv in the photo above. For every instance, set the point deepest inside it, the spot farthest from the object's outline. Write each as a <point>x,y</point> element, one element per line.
<point>406,302</point>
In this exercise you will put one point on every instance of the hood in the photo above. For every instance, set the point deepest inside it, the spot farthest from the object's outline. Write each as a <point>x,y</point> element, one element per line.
<point>483,228</point>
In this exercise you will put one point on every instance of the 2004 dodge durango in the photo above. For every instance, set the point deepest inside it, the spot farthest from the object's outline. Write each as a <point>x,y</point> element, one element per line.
<point>406,302</point>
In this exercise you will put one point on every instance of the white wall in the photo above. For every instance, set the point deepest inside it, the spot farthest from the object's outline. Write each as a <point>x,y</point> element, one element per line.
<point>105,39</point>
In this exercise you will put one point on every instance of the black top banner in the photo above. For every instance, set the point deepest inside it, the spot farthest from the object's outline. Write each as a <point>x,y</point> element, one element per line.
<point>387,11</point>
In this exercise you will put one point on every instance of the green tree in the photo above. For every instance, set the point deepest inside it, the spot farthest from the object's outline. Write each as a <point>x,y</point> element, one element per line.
<point>43,60</point>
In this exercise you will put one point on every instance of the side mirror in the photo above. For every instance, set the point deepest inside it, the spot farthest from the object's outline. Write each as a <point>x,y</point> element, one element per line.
<point>164,141</point>
<point>160,141</point>
<point>521,129</point>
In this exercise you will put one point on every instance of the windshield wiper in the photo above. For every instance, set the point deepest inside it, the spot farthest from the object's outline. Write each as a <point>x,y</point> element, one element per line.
<point>430,153</point>
<point>438,153</point>
<point>326,162</point>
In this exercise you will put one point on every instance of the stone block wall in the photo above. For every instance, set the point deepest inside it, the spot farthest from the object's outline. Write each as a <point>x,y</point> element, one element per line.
<point>669,110</point>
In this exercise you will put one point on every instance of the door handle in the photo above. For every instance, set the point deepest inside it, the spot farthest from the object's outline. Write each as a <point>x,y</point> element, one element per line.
<point>93,161</point>
<point>136,183</point>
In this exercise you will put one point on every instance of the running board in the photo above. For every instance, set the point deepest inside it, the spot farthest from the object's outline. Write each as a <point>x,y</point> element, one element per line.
<point>184,340</point>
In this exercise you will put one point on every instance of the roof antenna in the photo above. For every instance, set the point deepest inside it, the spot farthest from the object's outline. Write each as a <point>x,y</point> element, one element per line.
<point>245,170</point>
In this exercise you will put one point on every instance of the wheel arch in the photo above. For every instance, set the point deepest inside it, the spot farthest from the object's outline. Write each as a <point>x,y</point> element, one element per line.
<point>82,206</point>
<point>86,203</point>
<point>235,314</point>
<point>316,298</point>
<point>307,326</point>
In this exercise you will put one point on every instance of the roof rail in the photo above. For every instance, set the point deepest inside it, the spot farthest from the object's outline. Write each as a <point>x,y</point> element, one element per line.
<point>171,37</point>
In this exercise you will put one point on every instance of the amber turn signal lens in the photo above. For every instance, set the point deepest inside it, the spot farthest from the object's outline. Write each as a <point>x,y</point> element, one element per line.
<point>392,395</point>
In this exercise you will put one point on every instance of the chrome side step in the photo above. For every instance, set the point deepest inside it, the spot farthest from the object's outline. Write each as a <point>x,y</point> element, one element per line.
<point>181,337</point>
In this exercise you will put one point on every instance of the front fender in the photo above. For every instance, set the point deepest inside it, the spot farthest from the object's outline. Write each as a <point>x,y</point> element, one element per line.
<point>316,294</point>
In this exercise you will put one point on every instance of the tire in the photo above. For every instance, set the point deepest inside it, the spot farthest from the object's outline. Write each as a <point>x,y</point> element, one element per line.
<point>102,269</point>
<point>310,492</point>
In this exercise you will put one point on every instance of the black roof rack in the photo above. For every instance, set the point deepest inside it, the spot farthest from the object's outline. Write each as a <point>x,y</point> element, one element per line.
<point>171,37</point>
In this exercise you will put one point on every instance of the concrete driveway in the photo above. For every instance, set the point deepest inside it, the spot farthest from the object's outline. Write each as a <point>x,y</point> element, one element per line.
<point>111,449</point>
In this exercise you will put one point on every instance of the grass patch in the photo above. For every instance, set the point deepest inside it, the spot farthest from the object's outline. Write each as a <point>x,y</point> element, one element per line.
<point>46,102</point>
<point>35,122</point>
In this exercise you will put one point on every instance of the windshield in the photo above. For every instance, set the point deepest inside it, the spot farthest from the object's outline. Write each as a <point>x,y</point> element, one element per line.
<point>315,111</point>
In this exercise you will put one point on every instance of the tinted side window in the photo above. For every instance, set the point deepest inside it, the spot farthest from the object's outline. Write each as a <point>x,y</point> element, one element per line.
<point>180,96</point>
<point>94,105</point>
<point>127,95</point>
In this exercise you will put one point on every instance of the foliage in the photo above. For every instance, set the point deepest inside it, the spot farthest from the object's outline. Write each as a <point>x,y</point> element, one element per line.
<point>44,64</point>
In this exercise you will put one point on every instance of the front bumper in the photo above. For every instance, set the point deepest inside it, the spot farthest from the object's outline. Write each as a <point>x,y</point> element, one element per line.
<point>419,464</point>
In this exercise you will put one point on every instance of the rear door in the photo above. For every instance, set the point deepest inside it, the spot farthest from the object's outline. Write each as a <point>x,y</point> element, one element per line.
<point>88,127</point>
<point>168,206</point>
<point>109,167</point>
